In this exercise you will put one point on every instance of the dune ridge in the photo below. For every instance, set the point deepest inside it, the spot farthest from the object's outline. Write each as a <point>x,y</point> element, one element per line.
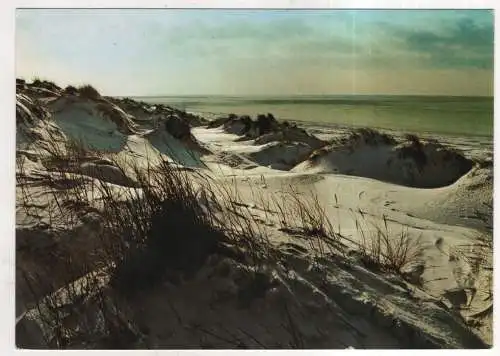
<point>142,226</point>
<point>412,162</point>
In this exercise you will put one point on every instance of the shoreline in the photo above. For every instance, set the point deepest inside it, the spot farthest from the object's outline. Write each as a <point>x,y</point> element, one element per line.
<point>333,126</point>
<point>309,111</point>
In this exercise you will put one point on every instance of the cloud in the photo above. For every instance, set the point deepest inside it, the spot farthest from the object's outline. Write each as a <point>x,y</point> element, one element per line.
<point>447,41</point>
<point>203,51</point>
<point>464,44</point>
<point>262,34</point>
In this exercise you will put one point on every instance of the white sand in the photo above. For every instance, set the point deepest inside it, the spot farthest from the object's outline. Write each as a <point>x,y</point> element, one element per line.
<point>357,190</point>
<point>444,219</point>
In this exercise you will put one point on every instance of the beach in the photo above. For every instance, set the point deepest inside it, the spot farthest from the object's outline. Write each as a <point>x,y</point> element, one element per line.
<point>252,227</point>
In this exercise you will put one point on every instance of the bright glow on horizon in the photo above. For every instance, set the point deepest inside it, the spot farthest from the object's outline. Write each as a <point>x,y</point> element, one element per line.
<point>257,52</point>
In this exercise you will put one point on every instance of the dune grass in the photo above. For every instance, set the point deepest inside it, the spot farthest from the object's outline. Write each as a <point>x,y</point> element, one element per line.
<point>382,250</point>
<point>158,230</point>
<point>89,92</point>
<point>164,229</point>
<point>71,90</point>
<point>368,136</point>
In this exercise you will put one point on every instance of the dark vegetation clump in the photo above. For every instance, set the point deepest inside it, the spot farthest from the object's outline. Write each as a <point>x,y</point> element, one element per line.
<point>415,151</point>
<point>89,92</point>
<point>263,124</point>
<point>220,121</point>
<point>266,123</point>
<point>247,121</point>
<point>45,84</point>
<point>20,84</point>
<point>36,82</point>
<point>178,241</point>
<point>414,139</point>
<point>370,137</point>
<point>164,231</point>
<point>192,119</point>
<point>70,90</point>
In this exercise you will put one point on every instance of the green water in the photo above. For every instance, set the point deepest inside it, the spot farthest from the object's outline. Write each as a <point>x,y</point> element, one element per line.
<point>469,116</point>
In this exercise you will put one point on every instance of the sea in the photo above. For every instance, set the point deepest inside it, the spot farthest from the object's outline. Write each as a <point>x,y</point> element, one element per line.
<point>444,115</point>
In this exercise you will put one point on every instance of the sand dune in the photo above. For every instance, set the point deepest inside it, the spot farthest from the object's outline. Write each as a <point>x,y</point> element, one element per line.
<point>281,259</point>
<point>412,163</point>
<point>84,121</point>
<point>33,124</point>
<point>103,126</point>
<point>176,150</point>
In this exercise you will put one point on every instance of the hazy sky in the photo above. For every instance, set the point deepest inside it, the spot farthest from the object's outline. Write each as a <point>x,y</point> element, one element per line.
<point>252,52</point>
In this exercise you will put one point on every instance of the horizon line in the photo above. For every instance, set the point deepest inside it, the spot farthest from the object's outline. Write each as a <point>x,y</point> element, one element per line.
<point>296,95</point>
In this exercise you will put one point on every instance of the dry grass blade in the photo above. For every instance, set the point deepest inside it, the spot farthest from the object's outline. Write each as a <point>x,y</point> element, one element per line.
<point>382,250</point>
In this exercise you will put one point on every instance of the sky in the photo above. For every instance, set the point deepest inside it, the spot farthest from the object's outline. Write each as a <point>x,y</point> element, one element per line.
<point>259,52</point>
